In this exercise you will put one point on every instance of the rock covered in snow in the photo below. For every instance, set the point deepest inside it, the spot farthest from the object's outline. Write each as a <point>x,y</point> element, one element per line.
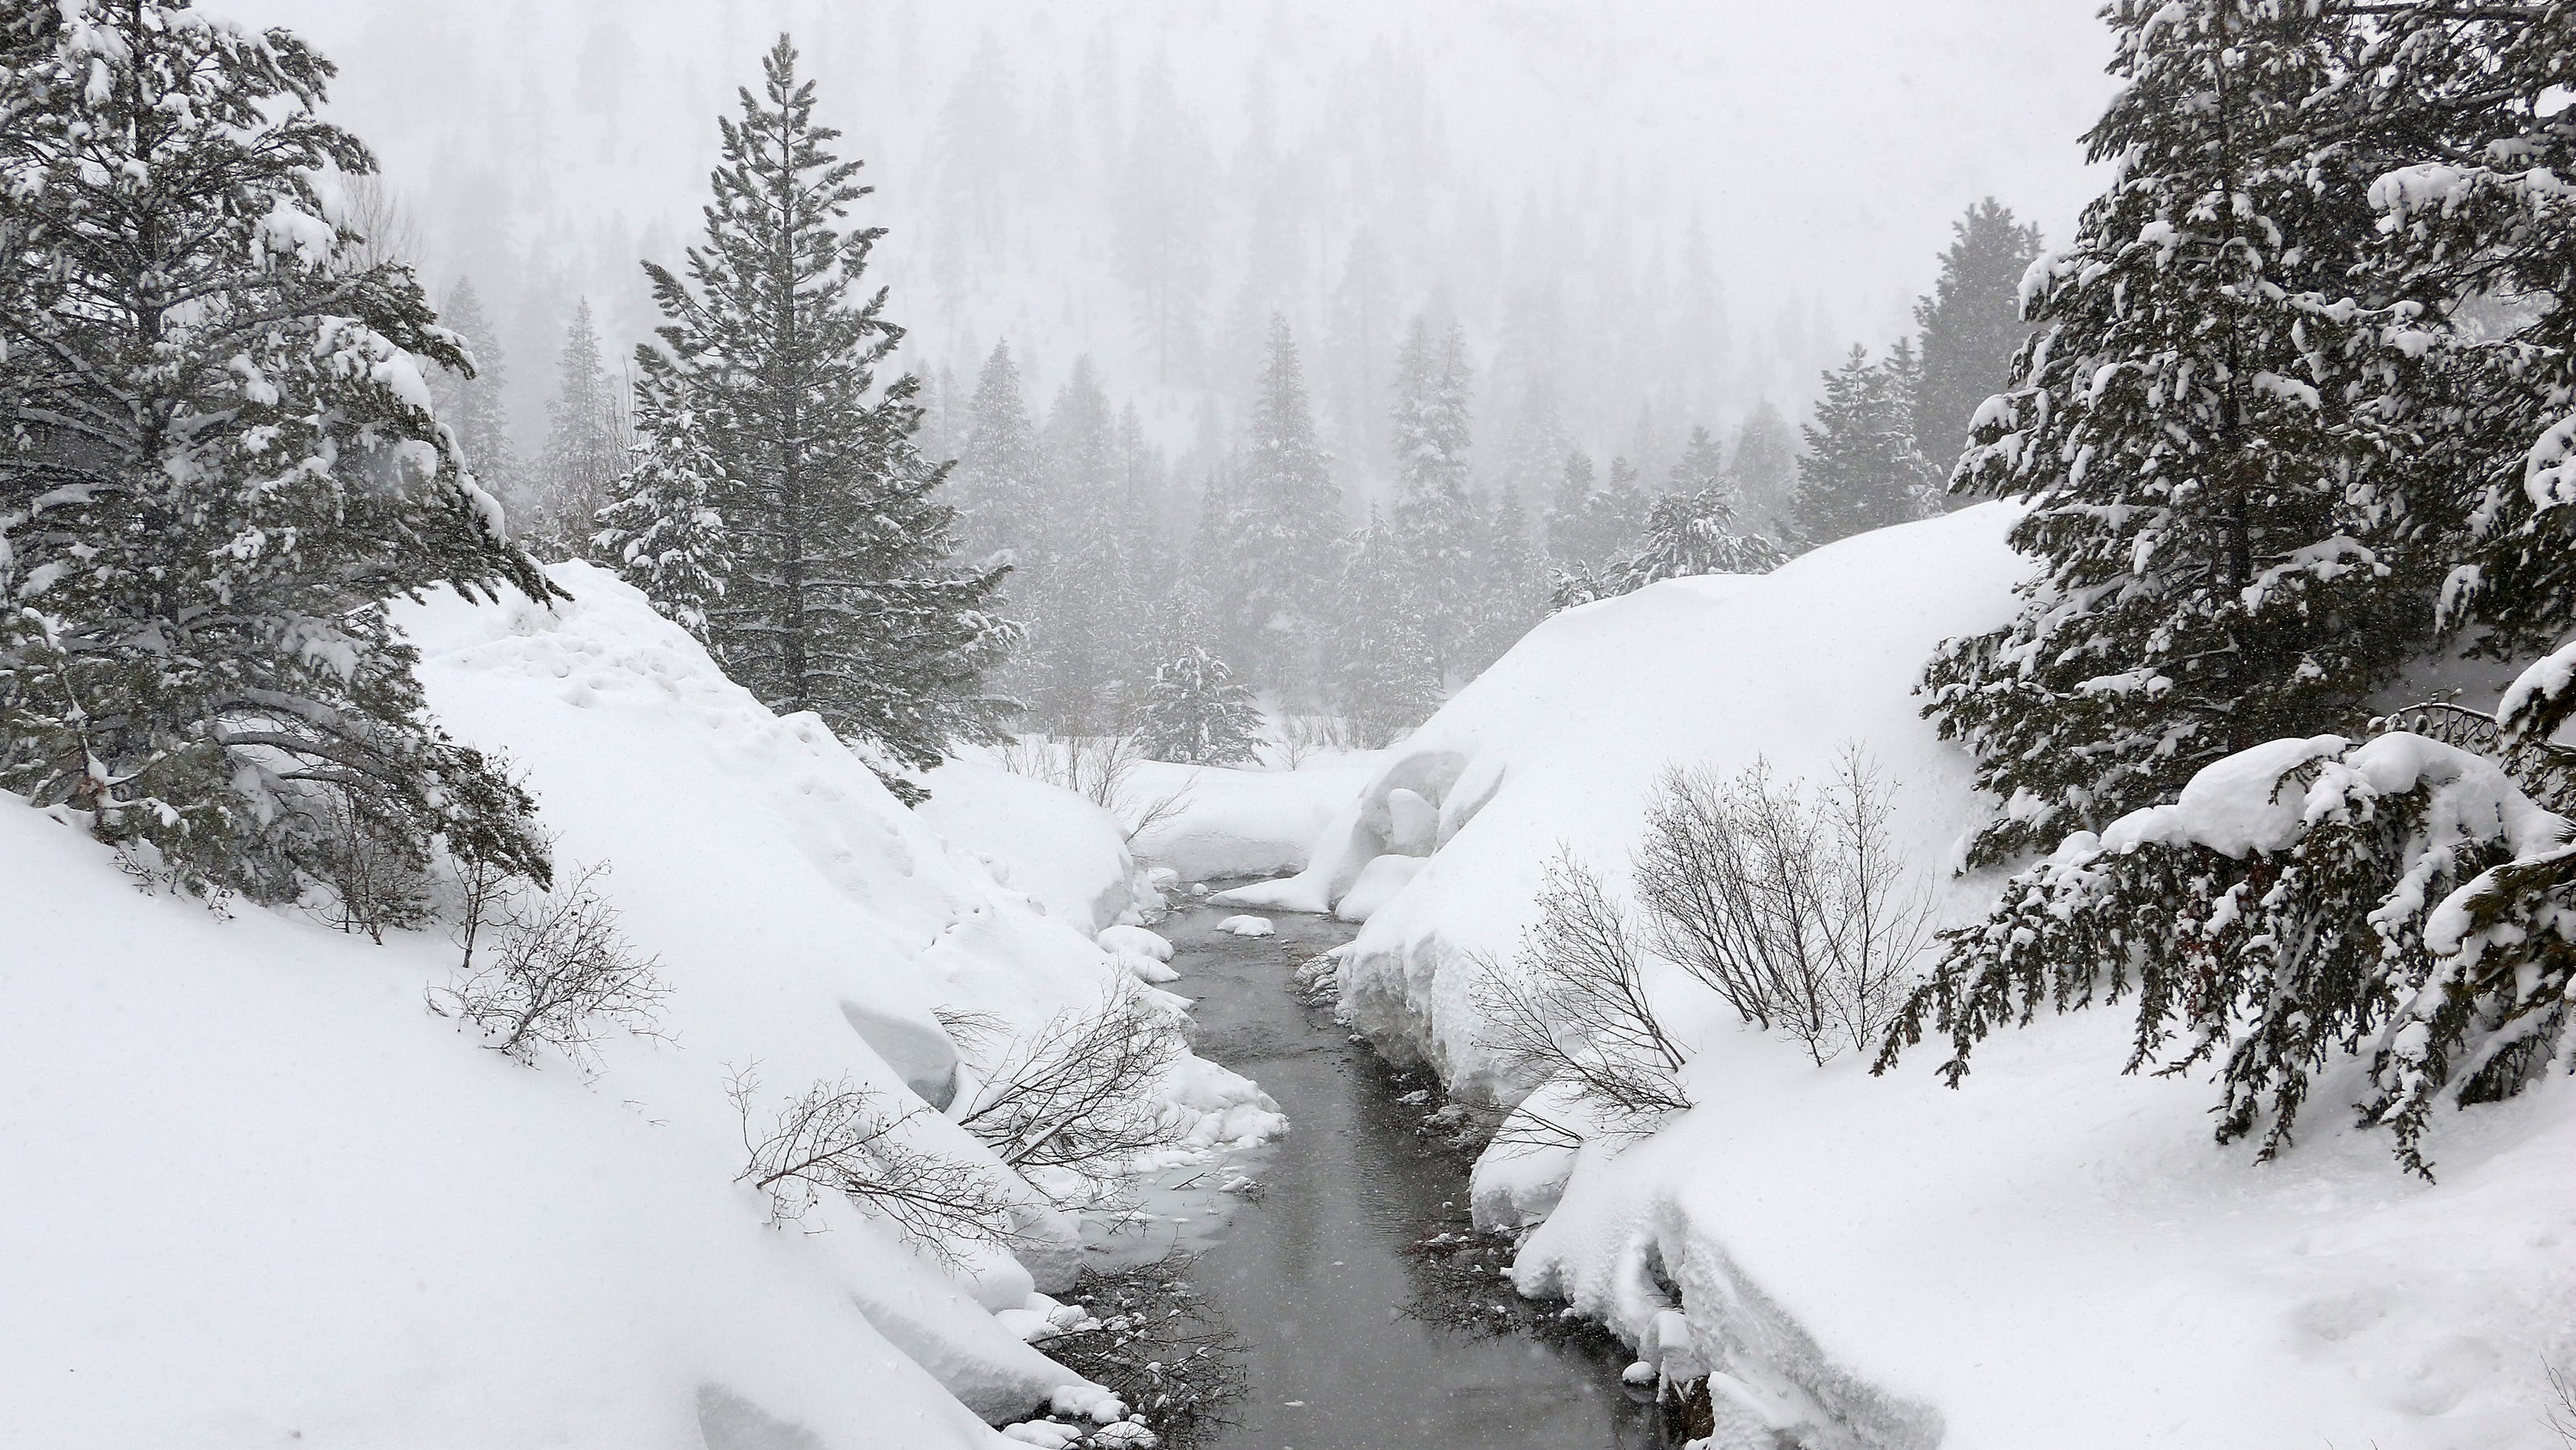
<point>1246,926</point>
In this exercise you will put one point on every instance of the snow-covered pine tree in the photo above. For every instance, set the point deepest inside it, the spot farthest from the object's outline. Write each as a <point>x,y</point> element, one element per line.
<point>999,474</point>
<point>1381,673</point>
<point>220,460</point>
<point>475,406</point>
<point>586,448</point>
<point>1614,516</point>
<point>1764,465</point>
<point>841,597</point>
<point>1288,524</point>
<point>1570,545</point>
<point>1514,578</point>
<point>1971,325</point>
<point>1196,712</point>
<point>2229,550</point>
<point>1433,523</point>
<point>1082,599</point>
<point>1687,534</point>
<point>1861,469</point>
<point>1702,466</point>
<point>661,526</point>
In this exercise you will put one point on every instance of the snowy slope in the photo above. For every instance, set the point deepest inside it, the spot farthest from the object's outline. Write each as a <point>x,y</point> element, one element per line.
<point>2054,1255</point>
<point>258,1193</point>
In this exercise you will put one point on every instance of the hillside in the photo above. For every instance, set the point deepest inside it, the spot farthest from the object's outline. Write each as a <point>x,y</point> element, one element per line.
<point>260,1194</point>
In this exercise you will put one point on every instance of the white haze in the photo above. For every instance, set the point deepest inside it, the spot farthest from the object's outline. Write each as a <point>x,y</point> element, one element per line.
<point>1533,167</point>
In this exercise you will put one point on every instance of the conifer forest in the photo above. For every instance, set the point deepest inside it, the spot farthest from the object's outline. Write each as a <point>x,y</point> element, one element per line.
<point>1300,725</point>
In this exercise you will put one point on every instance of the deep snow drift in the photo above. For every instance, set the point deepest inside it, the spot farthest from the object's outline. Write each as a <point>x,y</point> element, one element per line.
<point>258,1194</point>
<point>2054,1255</point>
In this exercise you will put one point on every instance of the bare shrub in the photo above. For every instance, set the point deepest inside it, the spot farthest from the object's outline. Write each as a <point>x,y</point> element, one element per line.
<point>1572,1008</point>
<point>378,871</point>
<point>1156,1343</point>
<point>1797,911</point>
<point>1303,737</point>
<point>559,973</point>
<point>1102,770</point>
<point>2562,1416</point>
<point>1074,1104</point>
<point>836,1137</point>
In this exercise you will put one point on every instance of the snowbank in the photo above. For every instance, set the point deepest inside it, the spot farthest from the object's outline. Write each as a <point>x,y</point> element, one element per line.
<point>1061,851</point>
<point>2054,1255</point>
<point>1559,744</point>
<point>1245,822</point>
<point>259,1194</point>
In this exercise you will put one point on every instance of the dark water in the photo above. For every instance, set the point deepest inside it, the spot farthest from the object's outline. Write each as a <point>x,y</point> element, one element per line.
<point>1314,1274</point>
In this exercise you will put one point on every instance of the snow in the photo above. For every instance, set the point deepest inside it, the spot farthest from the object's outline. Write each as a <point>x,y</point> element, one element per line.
<point>1245,822</point>
<point>259,1193</point>
<point>1247,926</point>
<point>2055,1254</point>
<point>1067,855</point>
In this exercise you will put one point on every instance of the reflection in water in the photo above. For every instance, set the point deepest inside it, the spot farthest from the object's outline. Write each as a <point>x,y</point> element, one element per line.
<point>1349,1346</point>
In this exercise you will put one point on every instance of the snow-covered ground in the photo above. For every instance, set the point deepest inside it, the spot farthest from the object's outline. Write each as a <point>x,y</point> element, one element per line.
<point>2054,1255</point>
<point>1228,822</point>
<point>257,1194</point>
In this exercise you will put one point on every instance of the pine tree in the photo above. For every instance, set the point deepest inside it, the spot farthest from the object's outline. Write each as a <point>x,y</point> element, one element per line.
<point>1082,599</point>
<point>1971,325</point>
<point>1569,514</point>
<point>1433,525</point>
<point>661,527</point>
<point>1383,678</point>
<point>221,458</point>
<point>1688,534</point>
<point>1196,712</point>
<point>1764,466</point>
<point>476,406</point>
<point>1287,521</point>
<point>841,597</point>
<point>1615,515</point>
<point>585,444</point>
<point>1515,582</point>
<point>1861,470</point>
<point>1702,466</point>
<point>1000,468</point>
<point>2227,548</point>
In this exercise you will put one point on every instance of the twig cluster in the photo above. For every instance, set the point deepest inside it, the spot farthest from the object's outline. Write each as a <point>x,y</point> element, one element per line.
<point>1572,1009</point>
<point>1075,1103</point>
<point>839,1138</point>
<point>557,973</point>
<point>1153,1341</point>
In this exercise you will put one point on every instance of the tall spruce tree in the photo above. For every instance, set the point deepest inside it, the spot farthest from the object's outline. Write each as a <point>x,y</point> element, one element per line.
<point>1287,524</point>
<point>221,458</point>
<point>585,450</point>
<point>1764,465</point>
<point>1570,544</point>
<point>1971,325</point>
<point>1000,467</point>
<point>2228,548</point>
<point>476,406</point>
<point>1382,676</point>
<point>840,596</point>
<point>1433,522</point>
<point>1514,578</point>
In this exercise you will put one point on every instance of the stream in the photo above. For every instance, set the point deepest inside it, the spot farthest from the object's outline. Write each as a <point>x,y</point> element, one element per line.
<point>1352,1343</point>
